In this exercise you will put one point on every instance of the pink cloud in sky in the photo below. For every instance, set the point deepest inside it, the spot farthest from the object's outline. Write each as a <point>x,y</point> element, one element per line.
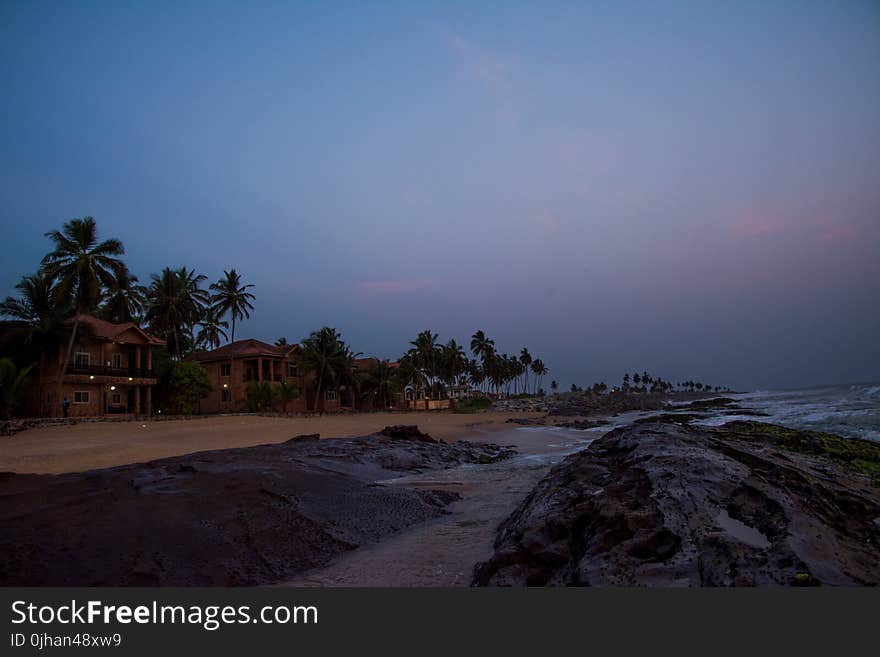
<point>753,224</point>
<point>549,222</point>
<point>815,228</point>
<point>395,286</point>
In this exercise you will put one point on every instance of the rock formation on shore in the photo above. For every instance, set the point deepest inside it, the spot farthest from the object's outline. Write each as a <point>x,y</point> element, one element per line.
<point>664,503</point>
<point>244,516</point>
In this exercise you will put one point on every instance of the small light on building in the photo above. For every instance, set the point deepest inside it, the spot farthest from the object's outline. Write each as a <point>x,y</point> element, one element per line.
<point>130,378</point>
<point>92,377</point>
<point>112,387</point>
<point>225,385</point>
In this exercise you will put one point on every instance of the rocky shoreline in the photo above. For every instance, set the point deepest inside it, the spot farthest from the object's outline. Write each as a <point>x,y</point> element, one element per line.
<point>232,517</point>
<point>663,503</point>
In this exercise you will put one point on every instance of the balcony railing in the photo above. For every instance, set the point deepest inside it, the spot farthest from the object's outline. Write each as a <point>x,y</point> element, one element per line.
<point>104,370</point>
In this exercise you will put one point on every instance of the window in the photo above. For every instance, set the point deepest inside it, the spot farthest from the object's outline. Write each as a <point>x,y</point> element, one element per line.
<point>225,369</point>
<point>81,359</point>
<point>117,361</point>
<point>226,395</point>
<point>292,370</point>
<point>330,395</point>
<point>81,396</point>
<point>116,399</point>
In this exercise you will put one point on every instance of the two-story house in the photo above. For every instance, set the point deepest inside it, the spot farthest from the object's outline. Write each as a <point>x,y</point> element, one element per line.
<point>235,365</point>
<point>110,371</point>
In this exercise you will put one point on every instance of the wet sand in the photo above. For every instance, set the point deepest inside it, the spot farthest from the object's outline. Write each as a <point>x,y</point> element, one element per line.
<point>443,551</point>
<point>90,445</point>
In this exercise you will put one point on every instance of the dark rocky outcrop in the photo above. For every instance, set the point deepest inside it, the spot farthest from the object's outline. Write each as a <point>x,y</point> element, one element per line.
<point>228,517</point>
<point>669,504</point>
<point>406,432</point>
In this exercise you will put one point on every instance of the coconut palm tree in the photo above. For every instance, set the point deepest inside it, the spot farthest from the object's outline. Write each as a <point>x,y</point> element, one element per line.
<point>124,298</point>
<point>175,303</point>
<point>381,381</point>
<point>41,318</point>
<point>410,373</point>
<point>350,378</point>
<point>425,349</point>
<point>286,392</point>
<point>230,296</point>
<point>453,361</point>
<point>192,284</point>
<point>475,374</point>
<point>81,268</point>
<point>36,301</point>
<point>323,353</point>
<point>539,370</point>
<point>211,329</point>
<point>526,359</point>
<point>12,384</point>
<point>481,346</point>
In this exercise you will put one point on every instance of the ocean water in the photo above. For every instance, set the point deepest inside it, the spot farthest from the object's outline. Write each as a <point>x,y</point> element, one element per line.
<point>846,410</point>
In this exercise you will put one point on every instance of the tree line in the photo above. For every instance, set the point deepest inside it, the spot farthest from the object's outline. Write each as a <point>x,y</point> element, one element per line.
<point>82,275</point>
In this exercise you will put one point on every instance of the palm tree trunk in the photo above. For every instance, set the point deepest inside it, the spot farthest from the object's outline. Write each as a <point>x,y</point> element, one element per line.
<point>40,383</point>
<point>60,387</point>
<point>233,328</point>
<point>317,394</point>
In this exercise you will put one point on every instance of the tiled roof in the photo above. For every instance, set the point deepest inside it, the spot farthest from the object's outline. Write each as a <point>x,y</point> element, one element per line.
<point>104,330</point>
<point>249,348</point>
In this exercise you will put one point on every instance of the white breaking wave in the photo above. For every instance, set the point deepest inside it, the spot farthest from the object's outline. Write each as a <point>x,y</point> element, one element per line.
<point>850,410</point>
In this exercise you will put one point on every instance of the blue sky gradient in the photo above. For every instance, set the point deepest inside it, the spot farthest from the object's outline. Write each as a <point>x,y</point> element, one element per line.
<point>690,188</point>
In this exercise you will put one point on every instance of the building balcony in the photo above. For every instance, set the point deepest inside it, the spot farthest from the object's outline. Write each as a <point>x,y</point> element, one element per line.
<point>109,371</point>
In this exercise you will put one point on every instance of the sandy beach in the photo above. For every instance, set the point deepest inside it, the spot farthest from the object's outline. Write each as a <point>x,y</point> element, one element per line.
<point>90,445</point>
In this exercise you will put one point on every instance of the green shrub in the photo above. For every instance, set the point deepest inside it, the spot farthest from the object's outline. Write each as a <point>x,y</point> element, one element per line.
<point>473,405</point>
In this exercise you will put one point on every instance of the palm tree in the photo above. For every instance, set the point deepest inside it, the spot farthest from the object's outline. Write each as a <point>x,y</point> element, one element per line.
<point>481,346</point>
<point>261,396</point>
<point>323,353</point>
<point>410,373</point>
<point>453,361</point>
<point>42,320</point>
<point>287,392</point>
<point>526,359</point>
<point>124,298</point>
<point>36,302</point>
<point>539,370</point>
<point>211,330</point>
<point>232,297</point>
<point>554,386</point>
<point>382,382</point>
<point>281,342</point>
<point>81,268</point>
<point>176,302</point>
<point>425,351</point>
<point>12,383</point>
<point>192,285</point>
<point>350,377</point>
<point>475,374</point>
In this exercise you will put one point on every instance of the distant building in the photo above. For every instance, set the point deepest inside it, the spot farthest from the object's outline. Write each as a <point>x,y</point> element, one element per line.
<point>110,372</point>
<point>233,366</point>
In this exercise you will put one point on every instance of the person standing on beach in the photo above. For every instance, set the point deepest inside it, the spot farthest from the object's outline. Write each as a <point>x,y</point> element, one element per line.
<point>65,406</point>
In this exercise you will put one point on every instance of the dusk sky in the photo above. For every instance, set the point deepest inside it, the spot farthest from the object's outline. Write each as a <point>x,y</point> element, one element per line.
<point>690,188</point>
